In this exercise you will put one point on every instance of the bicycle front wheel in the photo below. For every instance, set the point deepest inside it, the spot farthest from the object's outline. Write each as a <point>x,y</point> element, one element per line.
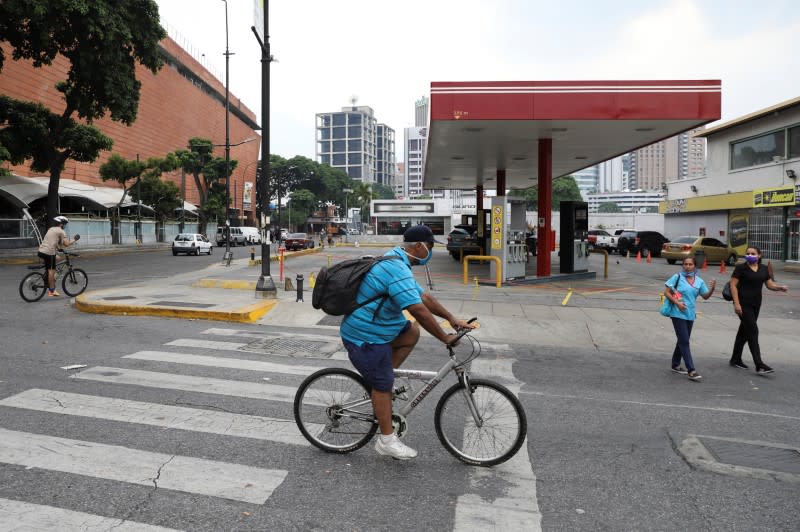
<point>333,410</point>
<point>75,282</point>
<point>33,287</point>
<point>501,432</point>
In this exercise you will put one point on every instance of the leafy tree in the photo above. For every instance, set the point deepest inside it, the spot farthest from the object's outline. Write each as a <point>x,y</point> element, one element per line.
<point>564,189</point>
<point>102,40</point>
<point>364,194</point>
<point>163,196</point>
<point>207,170</point>
<point>383,191</point>
<point>301,203</point>
<point>609,206</point>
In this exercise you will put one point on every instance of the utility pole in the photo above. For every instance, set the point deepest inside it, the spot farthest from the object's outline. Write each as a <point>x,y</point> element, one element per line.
<point>227,257</point>
<point>346,191</point>
<point>265,288</point>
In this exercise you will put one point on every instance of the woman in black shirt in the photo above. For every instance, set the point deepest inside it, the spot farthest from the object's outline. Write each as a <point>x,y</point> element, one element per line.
<point>746,282</point>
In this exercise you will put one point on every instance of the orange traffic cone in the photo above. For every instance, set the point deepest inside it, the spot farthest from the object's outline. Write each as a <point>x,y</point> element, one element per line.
<point>722,268</point>
<point>638,256</point>
<point>705,265</point>
<point>649,260</point>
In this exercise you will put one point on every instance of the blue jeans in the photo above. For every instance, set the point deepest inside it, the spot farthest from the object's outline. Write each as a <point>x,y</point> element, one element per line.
<point>683,330</point>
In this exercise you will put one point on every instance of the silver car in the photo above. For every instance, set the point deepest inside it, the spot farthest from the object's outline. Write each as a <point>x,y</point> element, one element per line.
<point>191,244</point>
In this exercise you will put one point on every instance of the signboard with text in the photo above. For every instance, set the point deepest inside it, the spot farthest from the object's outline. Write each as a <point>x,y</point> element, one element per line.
<point>774,197</point>
<point>497,227</point>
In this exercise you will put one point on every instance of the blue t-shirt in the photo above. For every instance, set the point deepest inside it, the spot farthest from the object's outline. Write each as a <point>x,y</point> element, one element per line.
<point>688,294</point>
<point>392,277</point>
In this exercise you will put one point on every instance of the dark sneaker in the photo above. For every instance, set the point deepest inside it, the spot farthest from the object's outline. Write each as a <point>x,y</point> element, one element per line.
<point>738,364</point>
<point>680,370</point>
<point>763,370</point>
<point>693,375</point>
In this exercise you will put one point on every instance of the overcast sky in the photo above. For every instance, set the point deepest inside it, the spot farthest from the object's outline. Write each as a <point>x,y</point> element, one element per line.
<point>387,52</point>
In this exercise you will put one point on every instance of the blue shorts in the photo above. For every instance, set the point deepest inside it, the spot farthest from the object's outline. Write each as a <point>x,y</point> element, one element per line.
<point>374,362</point>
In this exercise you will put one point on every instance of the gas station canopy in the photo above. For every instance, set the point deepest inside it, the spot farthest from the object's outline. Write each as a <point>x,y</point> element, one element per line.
<point>479,128</point>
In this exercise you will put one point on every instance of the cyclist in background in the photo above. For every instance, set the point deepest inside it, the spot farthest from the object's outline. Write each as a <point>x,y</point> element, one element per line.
<point>378,337</point>
<point>53,240</point>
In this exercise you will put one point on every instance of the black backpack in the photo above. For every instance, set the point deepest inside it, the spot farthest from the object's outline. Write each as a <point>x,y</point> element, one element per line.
<point>336,288</point>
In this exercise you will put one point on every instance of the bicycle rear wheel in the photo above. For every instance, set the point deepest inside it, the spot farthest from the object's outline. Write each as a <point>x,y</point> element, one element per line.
<point>75,282</point>
<point>333,410</point>
<point>500,435</point>
<point>33,287</point>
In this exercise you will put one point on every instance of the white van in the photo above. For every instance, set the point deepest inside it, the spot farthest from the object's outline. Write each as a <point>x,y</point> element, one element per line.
<point>251,235</point>
<point>237,238</point>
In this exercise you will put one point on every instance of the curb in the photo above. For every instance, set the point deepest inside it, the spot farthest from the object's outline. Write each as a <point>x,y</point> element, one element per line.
<point>231,284</point>
<point>248,314</point>
<point>34,259</point>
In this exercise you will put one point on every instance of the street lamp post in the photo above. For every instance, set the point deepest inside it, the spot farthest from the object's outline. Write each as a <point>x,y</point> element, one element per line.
<point>265,287</point>
<point>346,191</point>
<point>227,257</point>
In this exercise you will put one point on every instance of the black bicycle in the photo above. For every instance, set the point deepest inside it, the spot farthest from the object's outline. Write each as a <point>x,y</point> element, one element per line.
<point>73,280</point>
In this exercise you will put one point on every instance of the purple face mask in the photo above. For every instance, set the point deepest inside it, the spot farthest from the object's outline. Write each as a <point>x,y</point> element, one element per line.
<point>751,259</point>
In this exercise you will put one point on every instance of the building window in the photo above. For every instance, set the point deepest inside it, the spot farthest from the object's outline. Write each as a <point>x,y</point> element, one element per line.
<point>354,158</point>
<point>354,131</point>
<point>339,132</point>
<point>354,172</point>
<point>325,159</point>
<point>338,145</point>
<point>339,159</point>
<point>338,119</point>
<point>324,133</point>
<point>353,118</point>
<point>324,147</point>
<point>794,142</point>
<point>758,150</point>
<point>354,145</point>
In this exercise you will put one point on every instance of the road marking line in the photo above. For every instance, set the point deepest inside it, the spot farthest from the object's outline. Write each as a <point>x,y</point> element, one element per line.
<point>172,417</point>
<point>18,515</point>
<point>152,379</point>
<point>664,405</point>
<point>518,509</point>
<point>220,362</point>
<point>124,464</point>
<point>207,344</point>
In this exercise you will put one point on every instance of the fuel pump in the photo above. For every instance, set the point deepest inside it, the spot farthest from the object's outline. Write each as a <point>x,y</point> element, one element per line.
<point>574,237</point>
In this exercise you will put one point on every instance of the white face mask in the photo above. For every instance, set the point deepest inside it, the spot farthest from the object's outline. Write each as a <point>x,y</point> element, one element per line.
<point>421,262</point>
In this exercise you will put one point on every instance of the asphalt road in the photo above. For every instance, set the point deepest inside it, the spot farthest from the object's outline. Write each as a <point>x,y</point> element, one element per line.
<point>603,428</point>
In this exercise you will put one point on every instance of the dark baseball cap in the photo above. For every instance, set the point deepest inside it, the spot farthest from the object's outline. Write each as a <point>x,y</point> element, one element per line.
<point>419,233</point>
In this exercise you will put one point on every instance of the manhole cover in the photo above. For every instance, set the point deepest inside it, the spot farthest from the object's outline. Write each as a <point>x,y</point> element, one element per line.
<point>182,304</point>
<point>333,321</point>
<point>293,347</point>
<point>118,298</point>
<point>752,455</point>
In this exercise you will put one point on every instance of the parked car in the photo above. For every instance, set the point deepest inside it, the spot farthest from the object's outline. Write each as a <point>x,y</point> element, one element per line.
<point>191,244</point>
<point>296,241</point>
<point>462,237</point>
<point>646,242</point>
<point>602,239</point>
<point>688,246</point>
<point>237,237</point>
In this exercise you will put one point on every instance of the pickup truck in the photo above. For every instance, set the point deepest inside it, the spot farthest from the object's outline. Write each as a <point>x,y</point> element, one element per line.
<point>602,240</point>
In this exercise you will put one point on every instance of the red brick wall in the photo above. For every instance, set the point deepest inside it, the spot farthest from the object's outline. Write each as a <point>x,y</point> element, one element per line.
<point>171,111</point>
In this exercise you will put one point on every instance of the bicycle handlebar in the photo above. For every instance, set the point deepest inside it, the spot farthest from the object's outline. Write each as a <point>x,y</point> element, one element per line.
<point>463,331</point>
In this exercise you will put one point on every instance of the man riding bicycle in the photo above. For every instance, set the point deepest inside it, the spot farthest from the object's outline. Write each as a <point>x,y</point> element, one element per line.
<point>53,240</point>
<point>378,337</point>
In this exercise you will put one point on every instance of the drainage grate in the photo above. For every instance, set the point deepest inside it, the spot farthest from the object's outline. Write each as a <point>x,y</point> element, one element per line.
<point>752,455</point>
<point>118,298</point>
<point>334,321</point>
<point>182,304</point>
<point>293,347</point>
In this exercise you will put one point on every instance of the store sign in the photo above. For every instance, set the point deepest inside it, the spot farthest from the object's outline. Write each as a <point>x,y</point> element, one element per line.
<point>774,197</point>
<point>497,227</point>
<point>677,205</point>
<point>247,197</point>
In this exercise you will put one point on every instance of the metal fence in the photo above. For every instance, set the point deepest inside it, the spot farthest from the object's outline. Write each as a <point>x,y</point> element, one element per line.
<point>16,228</point>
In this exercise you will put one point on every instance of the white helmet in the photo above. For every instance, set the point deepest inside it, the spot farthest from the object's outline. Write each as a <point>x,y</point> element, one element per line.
<point>61,219</point>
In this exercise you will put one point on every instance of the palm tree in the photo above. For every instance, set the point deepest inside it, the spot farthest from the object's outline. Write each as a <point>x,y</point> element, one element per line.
<point>364,194</point>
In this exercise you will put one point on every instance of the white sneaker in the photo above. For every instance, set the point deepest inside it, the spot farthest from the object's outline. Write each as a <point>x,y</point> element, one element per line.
<point>395,448</point>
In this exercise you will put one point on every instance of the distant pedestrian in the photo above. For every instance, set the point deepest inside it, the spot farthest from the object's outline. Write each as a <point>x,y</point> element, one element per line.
<point>682,290</point>
<point>746,282</point>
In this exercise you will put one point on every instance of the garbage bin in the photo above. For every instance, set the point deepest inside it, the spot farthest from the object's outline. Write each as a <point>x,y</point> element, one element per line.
<point>699,259</point>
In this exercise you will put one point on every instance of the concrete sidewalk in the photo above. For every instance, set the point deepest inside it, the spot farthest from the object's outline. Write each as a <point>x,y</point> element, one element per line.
<point>598,315</point>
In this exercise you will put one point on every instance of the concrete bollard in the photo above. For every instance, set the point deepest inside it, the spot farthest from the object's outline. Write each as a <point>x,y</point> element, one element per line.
<point>299,287</point>
<point>252,253</point>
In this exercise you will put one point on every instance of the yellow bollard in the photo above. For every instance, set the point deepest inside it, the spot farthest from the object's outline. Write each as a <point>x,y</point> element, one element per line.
<point>566,299</point>
<point>476,290</point>
<point>312,280</point>
<point>330,260</point>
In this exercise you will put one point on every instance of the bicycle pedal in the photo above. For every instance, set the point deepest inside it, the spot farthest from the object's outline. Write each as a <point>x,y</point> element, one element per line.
<point>400,393</point>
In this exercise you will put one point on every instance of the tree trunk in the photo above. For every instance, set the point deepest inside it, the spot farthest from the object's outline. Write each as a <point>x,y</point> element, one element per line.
<point>52,195</point>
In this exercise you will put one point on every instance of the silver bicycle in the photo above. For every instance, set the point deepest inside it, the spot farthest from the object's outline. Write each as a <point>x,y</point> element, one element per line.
<point>478,421</point>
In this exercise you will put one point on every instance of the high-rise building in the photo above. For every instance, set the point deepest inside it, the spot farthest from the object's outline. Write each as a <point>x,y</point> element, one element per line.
<point>421,107</point>
<point>672,159</point>
<point>416,140</point>
<point>610,175</point>
<point>400,181</point>
<point>587,180</point>
<point>354,141</point>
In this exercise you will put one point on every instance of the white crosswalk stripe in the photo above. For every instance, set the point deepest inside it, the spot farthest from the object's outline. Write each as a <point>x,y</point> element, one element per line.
<point>23,516</point>
<point>170,381</point>
<point>174,417</point>
<point>220,362</point>
<point>207,344</point>
<point>113,462</point>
